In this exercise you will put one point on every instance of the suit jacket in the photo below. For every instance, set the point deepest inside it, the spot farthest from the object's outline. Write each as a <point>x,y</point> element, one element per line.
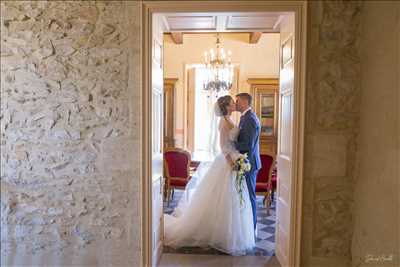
<point>248,139</point>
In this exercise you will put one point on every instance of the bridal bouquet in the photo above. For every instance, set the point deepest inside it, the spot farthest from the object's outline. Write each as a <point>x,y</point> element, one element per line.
<point>242,165</point>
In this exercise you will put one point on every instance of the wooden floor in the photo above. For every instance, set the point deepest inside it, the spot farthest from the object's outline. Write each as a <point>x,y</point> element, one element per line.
<point>186,260</point>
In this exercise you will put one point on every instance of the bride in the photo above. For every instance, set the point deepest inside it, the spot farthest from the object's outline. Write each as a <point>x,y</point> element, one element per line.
<point>210,213</point>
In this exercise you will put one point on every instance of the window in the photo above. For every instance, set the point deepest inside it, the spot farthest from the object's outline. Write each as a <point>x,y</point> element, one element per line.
<point>206,143</point>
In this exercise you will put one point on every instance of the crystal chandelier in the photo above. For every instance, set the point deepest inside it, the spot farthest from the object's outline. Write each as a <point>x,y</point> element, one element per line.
<point>219,69</point>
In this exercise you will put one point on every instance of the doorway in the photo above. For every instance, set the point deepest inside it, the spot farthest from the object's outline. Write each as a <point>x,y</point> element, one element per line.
<point>202,127</point>
<point>291,122</point>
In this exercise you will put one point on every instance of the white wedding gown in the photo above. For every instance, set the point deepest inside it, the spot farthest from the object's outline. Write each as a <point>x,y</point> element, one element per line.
<point>209,213</point>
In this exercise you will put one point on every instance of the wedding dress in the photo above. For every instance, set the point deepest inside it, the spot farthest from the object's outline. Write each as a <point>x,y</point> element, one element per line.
<point>210,214</point>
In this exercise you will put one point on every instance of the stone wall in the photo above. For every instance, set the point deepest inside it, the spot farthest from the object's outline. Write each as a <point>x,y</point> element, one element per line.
<point>332,127</point>
<point>70,122</point>
<point>376,238</point>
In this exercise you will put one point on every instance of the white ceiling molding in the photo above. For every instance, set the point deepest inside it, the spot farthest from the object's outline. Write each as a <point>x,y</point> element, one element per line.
<point>190,23</point>
<point>251,23</point>
<point>278,23</point>
<point>166,24</point>
<point>224,22</point>
<point>221,23</point>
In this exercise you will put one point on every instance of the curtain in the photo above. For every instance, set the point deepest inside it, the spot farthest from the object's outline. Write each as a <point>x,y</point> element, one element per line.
<point>190,116</point>
<point>202,126</point>
<point>206,123</point>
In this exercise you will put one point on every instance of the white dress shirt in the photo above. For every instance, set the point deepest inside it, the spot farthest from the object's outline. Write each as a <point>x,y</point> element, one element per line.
<point>244,112</point>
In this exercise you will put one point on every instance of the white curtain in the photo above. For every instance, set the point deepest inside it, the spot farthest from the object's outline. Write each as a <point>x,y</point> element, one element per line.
<point>206,123</point>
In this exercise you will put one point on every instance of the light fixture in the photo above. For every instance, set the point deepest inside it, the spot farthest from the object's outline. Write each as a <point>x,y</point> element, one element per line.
<point>219,70</point>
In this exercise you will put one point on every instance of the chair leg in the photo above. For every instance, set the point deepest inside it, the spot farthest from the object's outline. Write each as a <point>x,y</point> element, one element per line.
<point>168,196</point>
<point>165,195</point>
<point>268,202</point>
<point>173,191</point>
<point>166,191</point>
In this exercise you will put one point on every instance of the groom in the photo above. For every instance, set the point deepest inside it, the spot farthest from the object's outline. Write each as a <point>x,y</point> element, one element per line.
<point>248,142</point>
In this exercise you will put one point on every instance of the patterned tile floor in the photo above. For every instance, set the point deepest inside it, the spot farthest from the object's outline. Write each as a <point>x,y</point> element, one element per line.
<point>265,241</point>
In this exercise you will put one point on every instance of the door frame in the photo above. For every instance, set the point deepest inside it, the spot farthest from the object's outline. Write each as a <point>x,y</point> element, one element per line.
<point>300,10</point>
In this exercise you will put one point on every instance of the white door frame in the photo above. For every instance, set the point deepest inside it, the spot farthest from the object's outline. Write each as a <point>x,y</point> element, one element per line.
<point>300,10</point>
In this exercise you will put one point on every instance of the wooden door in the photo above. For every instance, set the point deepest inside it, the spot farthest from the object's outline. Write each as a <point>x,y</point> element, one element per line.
<point>157,83</point>
<point>285,151</point>
<point>169,97</point>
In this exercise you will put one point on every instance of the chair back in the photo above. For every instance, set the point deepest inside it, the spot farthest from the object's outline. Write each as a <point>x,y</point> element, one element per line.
<point>264,174</point>
<point>177,163</point>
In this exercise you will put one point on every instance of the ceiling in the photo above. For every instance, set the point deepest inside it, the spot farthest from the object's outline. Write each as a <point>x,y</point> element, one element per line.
<point>223,22</point>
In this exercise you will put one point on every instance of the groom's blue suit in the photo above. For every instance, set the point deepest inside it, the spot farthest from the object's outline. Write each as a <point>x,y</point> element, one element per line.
<point>248,142</point>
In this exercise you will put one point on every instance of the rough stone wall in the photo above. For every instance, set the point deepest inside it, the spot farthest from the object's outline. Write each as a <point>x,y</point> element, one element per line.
<point>332,127</point>
<point>70,121</point>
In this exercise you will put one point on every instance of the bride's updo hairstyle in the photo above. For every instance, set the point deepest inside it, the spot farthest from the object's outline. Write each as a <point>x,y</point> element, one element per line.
<point>223,102</point>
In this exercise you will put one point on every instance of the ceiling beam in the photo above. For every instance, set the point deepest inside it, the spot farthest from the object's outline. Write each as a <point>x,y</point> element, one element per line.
<point>177,37</point>
<point>254,37</point>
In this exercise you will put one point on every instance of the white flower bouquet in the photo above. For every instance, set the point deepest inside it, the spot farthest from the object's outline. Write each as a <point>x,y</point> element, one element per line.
<point>242,166</point>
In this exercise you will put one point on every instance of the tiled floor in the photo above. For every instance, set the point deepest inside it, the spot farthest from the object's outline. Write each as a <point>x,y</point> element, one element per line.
<point>265,242</point>
<point>187,260</point>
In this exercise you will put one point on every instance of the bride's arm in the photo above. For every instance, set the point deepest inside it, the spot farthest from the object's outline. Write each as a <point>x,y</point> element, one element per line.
<point>230,160</point>
<point>223,139</point>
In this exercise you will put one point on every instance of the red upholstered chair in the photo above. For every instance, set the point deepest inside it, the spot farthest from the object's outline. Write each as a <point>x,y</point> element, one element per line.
<point>177,170</point>
<point>263,182</point>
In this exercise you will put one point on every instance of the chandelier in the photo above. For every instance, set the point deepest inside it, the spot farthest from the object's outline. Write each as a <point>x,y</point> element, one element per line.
<point>219,69</point>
